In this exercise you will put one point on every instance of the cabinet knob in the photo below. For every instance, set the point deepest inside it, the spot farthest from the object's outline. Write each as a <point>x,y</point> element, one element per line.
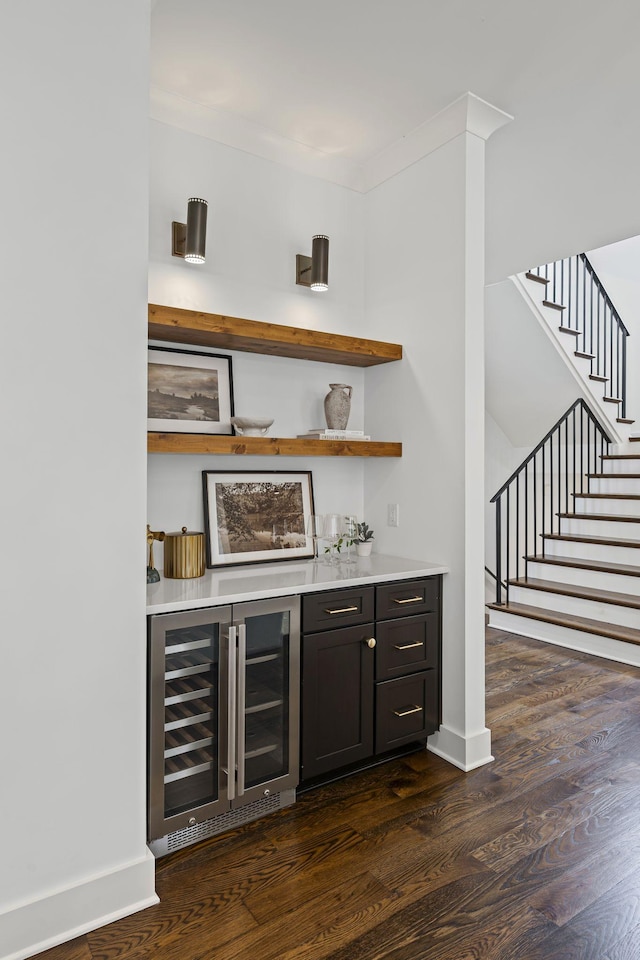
<point>371,642</point>
<point>192,821</point>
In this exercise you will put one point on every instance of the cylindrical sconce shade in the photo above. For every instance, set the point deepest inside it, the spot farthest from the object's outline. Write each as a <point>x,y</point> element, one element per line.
<point>320,262</point>
<point>194,251</point>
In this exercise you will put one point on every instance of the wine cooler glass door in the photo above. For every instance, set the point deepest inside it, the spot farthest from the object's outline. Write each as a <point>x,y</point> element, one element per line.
<point>268,697</point>
<point>189,731</point>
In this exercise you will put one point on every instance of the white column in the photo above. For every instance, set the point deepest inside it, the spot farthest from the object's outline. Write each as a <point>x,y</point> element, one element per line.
<point>425,288</point>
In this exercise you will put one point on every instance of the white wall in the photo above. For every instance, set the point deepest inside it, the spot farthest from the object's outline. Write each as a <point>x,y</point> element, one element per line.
<point>563,176</point>
<point>528,385</point>
<point>74,205</point>
<point>260,216</point>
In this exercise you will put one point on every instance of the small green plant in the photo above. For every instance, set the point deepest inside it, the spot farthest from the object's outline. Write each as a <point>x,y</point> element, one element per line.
<point>364,533</point>
<point>338,544</point>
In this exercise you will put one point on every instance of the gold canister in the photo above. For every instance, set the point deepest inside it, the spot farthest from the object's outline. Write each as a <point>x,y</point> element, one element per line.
<point>184,555</point>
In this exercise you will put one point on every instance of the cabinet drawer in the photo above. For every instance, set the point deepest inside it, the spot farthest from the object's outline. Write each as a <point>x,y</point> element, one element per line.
<point>407,598</point>
<point>337,608</point>
<point>406,710</point>
<point>407,645</point>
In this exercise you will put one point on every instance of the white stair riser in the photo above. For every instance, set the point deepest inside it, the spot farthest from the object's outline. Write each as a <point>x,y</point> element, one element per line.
<point>576,606</point>
<point>617,508</point>
<point>621,466</point>
<point>614,484</point>
<point>564,637</point>
<point>585,578</point>
<point>601,553</point>
<point>586,527</point>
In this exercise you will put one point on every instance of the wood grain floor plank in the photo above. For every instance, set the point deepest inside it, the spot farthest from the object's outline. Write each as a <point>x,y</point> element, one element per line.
<point>540,828</point>
<point>166,927</point>
<point>600,868</point>
<point>359,895</point>
<point>77,949</point>
<point>628,948</point>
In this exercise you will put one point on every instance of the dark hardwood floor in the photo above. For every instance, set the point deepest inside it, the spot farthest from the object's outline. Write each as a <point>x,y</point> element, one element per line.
<point>532,857</point>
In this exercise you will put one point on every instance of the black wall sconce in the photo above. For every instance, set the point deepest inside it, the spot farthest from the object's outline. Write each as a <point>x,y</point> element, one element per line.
<point>313,271</point>
<point>189,239</point>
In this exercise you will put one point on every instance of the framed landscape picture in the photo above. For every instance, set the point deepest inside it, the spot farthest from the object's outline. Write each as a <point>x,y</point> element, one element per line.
<point>189,392</point>
<point>253,516</point>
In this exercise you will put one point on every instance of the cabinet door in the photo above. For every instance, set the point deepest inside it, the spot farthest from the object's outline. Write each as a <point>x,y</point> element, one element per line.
<point>406,710</point>
<point>337,699</point>
<point>267,635</point>
<point>189,777</point>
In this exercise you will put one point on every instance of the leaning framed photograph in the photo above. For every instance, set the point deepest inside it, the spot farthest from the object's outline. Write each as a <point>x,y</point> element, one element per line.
<point>254,516</point>
<point>189,392</point>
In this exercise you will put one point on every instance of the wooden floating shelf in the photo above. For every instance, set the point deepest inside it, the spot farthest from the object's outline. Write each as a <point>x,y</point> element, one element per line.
<point>253,336</point>
<point>269,446</point>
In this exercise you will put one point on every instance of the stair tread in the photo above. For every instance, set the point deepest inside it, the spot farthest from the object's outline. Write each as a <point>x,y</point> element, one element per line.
<point>585,356</point>
<point>595,376</point>
<point>626,420</point>
<point>612,630</point>
<point>554,306</point>
<point>613,399</point>
<point>620,456</point>
<point>534,276</point>
<point>584,593</point>
<point>624,569</point>
<point>584,538</point>
<point>607,496</point>
<point>613,517</point>
<point>574,333</point>
<point>609,476</point>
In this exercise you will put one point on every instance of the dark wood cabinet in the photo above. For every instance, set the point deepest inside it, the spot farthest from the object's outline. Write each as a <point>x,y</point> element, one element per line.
<point>369,686</point>
<point>337,705</point>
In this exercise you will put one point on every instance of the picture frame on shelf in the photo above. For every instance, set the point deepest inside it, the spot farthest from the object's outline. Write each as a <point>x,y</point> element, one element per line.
<point>256,516</point>
<point>189,391</point>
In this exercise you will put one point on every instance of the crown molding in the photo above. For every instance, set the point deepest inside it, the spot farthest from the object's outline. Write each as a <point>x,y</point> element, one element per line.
<point>468,114</point>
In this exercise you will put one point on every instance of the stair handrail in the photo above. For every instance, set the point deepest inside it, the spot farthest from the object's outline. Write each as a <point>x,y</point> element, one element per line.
<point>532,519</point>
<point>589,312</point>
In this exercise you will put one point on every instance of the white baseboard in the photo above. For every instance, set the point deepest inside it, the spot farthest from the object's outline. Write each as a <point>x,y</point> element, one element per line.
<point>467,753</point>
<point>35,926</point>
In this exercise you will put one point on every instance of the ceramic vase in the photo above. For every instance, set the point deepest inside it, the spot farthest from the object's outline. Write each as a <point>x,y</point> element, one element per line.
<point>363,548</point>
<point>337,406</point>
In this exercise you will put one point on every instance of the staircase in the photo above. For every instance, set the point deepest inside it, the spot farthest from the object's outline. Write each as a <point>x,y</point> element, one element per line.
<point>571,303</point>
<point>568,520</point>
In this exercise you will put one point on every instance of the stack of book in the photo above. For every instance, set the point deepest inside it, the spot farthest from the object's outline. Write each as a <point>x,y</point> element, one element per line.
<point>328,434</point>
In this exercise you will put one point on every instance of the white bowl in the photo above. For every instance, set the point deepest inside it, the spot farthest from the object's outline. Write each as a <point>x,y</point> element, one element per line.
<point>251,426</point>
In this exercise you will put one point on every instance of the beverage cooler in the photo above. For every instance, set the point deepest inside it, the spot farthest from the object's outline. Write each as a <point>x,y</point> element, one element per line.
<point>223,726</point>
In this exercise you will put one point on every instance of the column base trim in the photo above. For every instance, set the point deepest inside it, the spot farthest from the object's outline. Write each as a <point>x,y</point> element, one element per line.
<point>466,753</point>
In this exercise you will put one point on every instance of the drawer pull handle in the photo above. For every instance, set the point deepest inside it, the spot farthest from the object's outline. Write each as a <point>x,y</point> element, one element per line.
<point>405,713</point>
<point>371,642</point>
<point>342,610</point>
<point>409,600</point>
<point>409,646</point>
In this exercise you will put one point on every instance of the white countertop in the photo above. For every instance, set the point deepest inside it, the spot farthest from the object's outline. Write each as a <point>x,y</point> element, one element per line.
<point>283,579</point>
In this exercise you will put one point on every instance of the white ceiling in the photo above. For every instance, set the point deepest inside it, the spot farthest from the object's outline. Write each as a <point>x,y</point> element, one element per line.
<point>351,77</point>
<point>329,86</point>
